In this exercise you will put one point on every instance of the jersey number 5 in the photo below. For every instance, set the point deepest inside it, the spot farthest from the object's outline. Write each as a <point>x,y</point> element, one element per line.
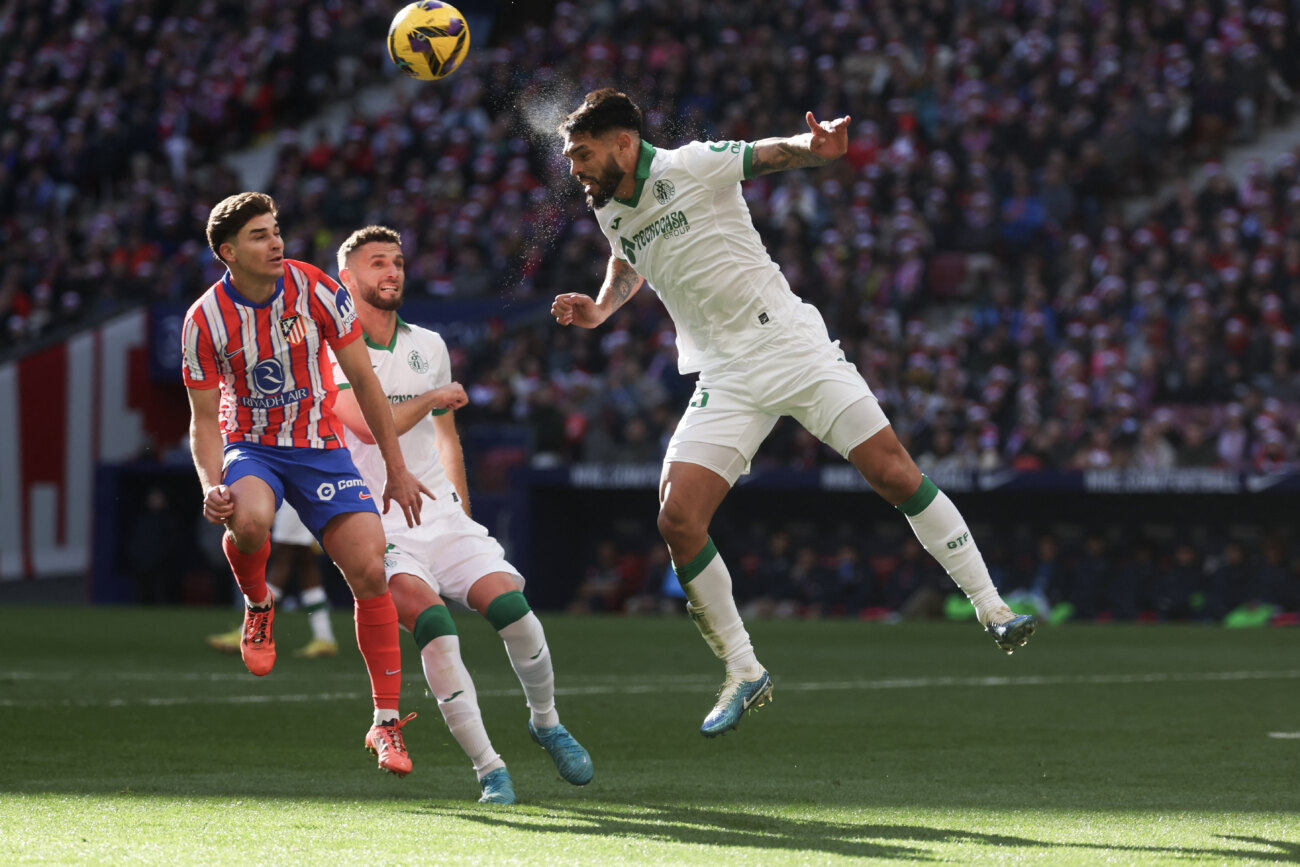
<point>701,400</point>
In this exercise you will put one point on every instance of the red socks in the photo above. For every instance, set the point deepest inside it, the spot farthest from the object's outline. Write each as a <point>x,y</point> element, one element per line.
<point>249,569</point>
<point>377,638</point>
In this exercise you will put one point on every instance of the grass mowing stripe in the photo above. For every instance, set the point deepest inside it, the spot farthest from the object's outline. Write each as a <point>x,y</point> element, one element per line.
<point>679,683</point>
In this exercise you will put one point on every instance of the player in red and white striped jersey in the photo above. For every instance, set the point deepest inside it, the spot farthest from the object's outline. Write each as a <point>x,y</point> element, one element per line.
<point>263,430</point>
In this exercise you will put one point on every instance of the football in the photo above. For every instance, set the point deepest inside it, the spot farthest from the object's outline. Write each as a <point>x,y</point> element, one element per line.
<point>428,40</point>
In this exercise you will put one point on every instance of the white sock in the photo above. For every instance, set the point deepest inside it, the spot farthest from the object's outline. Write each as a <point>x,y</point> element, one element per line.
<point>454,692</point>
<point>317,606</point>
<point>530,656</point>
<point>713,608</point>
<point>385,714</point>
<point>941,531</point>
<point>272,596</point>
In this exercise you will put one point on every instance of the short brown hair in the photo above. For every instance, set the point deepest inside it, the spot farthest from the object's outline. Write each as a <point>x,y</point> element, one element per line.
<point>233,213</point>
<point>364,236</point>
<point>601,111</point>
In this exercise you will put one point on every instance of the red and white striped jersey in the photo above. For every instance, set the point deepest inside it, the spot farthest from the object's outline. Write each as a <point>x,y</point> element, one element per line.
<point>269,359</point>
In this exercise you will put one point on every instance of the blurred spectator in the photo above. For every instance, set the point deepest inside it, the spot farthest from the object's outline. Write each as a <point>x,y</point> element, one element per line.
<point>602,590</point>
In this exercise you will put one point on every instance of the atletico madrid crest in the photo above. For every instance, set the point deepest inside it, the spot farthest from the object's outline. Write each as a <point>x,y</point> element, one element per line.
<point>292,328</point>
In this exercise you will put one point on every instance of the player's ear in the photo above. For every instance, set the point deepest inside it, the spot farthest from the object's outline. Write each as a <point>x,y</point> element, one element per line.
<point>345,277</point>
<point>227,252</point>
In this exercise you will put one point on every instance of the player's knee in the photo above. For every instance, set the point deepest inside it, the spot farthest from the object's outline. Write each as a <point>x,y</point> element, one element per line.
<point>249,533</point>
<point>897,478</point>
<point>367,579</point>
<point>676,523</point>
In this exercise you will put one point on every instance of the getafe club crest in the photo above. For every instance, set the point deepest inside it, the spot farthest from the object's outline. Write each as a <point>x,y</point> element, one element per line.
<point>664,190</point>
<point>417,362</point>
<point>292,328</point>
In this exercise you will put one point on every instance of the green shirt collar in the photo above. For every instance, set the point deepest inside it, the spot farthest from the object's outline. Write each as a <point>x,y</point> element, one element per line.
<point>642,172</point>
<point>389,348</point>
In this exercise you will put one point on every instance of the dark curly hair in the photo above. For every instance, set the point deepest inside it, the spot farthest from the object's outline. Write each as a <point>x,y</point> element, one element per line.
<point>601,111</point>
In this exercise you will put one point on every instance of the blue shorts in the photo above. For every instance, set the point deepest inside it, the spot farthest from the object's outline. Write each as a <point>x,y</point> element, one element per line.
<point>319,483</point>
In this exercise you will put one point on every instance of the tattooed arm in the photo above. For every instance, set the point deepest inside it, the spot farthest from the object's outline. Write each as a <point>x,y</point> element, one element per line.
<point>576,308</point>
<point>821,144</point>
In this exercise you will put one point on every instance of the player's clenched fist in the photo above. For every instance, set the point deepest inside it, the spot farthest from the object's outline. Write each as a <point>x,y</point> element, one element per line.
<point>576,308</point>
<point>218,505</point>
<point>450,396</point>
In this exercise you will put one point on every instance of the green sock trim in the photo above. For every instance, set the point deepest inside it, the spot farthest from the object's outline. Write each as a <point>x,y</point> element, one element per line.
<point>686,574</point>
<point>433,622</point>
<point>319,606</point>
<point>917,503</point>
<point>506,609</point>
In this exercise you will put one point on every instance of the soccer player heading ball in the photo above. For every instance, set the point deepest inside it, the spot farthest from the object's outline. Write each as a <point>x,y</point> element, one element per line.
<point>263,430</point>
<point>677,219</point>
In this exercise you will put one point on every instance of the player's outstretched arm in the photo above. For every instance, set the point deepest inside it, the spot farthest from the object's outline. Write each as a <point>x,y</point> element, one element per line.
<point>405,414</point>
<point>205,447</point>
<point>369,394</point>
<point>577,308</point>
<point>822,143</point>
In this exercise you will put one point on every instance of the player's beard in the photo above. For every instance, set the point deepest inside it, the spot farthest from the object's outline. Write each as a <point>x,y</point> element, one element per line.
<point>374,296</point>
<point>606,183</point>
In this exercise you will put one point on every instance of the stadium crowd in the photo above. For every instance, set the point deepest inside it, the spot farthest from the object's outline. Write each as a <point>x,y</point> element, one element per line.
<point>970,251</point>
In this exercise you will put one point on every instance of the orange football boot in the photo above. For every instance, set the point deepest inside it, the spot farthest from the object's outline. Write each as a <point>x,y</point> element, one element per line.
<point>257,647</point>
<point>385,741</point>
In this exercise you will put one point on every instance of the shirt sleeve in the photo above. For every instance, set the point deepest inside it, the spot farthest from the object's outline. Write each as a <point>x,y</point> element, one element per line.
<point>718,164</point>
<point>440,358</point>
<point>335,312</point>
<point>198,364</point>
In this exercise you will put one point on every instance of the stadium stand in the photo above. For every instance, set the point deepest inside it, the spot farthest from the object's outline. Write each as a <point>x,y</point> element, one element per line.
<point>970,252</point>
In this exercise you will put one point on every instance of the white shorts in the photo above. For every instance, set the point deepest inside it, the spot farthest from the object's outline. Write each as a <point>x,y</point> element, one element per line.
<point>289,529</point>
<point>448,550</point>
<point>732,413</point>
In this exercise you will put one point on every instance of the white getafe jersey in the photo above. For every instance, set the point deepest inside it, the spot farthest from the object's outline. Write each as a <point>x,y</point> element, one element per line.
<point>688,232</point>
<point>415,362</point>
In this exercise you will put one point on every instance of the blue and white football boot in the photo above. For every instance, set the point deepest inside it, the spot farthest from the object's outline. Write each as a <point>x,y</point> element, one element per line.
<point>497,788</point>
<point>571,760</point>
<point>734,699</point>
<point>1013,633</point>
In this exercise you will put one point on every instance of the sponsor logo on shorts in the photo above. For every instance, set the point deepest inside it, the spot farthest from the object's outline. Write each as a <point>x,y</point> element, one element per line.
<point>326,491</point>
<point>365,495</point>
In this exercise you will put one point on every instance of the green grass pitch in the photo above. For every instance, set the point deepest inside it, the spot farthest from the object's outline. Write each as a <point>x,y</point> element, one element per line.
<point>126,740</point>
